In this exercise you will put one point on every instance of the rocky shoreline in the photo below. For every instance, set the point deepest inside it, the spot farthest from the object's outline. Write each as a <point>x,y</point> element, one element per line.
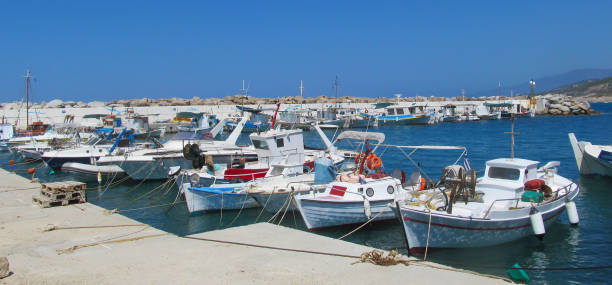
<point>563,105</point>
<point>549,104</point>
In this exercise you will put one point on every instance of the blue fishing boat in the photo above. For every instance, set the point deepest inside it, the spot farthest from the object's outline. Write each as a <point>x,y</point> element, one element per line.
<point>217,197</point>
<point>399,115</point>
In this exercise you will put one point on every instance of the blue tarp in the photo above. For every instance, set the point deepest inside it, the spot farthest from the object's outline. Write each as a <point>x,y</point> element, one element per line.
<point>325,171</point>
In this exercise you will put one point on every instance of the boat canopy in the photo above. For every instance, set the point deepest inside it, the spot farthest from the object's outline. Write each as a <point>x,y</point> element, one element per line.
<point>189,115</point>
<point>438,147</point>
<point>94,116</point>
<point>249,109</point>
<point>382,105</point>
<point>379,137</point>
<point>498,104</point>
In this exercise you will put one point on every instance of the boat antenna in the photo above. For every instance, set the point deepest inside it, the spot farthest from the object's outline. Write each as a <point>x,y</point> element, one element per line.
<point>27,77</point>
<point>512,133</point>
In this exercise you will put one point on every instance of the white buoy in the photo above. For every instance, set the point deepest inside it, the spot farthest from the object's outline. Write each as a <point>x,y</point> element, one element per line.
<point>366,208</point>
<point>537,223</point>
<point>572,213</point>
<point>99,176</point>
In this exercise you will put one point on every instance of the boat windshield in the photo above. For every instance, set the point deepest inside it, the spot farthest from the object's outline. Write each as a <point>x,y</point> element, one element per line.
<point>504,173</point>
<point>260,144</point>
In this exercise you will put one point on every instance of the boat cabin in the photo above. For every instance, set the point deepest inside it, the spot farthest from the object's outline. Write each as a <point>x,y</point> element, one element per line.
<point>506,177</point>
<point>395,110</point>
<point>280,147</point>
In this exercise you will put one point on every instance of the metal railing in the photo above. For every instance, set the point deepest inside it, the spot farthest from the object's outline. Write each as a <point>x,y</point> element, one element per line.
<point>556,193</point>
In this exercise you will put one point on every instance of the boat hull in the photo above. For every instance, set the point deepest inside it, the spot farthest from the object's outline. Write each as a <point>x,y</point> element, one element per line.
<point>89,172</point>
<point>30,155</point>
<point>593,166</point>
<point>202,199</point>
<point>319,213</point>
<point>404,120</point>
<point>56,163</point>
<point>274,202</point>
<point>448,231</point>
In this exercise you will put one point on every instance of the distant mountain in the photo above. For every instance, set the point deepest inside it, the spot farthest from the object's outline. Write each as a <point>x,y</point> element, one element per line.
<point>594,90</point>
<point>551,82</point>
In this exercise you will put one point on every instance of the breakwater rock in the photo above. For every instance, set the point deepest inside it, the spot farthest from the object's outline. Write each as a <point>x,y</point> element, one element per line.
<point>563,105</point>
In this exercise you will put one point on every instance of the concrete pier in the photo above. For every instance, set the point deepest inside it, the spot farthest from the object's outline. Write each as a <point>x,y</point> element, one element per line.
<point>139,254</point>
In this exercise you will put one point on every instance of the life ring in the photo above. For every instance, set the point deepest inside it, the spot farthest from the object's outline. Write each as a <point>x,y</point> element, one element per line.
<point>374,162</point>
<point>366,111</point>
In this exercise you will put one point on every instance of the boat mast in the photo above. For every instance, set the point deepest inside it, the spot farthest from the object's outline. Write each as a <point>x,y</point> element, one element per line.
<point>301,89</point>
<point>512,133</point>
<point>27,97</point>
<point>336,85</point>
<point>245,93</point>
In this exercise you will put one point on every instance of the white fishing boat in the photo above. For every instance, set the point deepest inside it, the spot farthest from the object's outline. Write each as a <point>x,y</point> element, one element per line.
<point>275,193</point>
<point>349,202</point>
<point>590,158</point>
<point>279,153</point>
<point>355,197</point>
<point>89,152</point>
<point>183,151</point>
<point>514,199</point>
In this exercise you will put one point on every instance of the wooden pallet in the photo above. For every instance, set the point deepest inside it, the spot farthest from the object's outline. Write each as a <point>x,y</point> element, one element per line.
<point>64,195</point>
<point>46,202</point>
<point>64,186</point>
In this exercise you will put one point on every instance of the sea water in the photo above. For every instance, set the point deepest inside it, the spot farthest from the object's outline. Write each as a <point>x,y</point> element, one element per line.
<point>541,138</point>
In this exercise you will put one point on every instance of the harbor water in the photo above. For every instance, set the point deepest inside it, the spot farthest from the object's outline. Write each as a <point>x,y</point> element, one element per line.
<point>541,138</point>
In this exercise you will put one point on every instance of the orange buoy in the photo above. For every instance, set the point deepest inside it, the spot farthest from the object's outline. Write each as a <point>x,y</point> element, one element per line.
<point>423,183</point>
<point>374,162</point>
<point>11,161</point>
<point>31,170</point>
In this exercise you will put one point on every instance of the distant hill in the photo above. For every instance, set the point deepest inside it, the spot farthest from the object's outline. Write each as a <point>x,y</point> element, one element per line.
<point>594,90</point>
<point>551,82</point>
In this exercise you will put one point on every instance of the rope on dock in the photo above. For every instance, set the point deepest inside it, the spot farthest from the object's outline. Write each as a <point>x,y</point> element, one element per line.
<point>378,258</point>
<point>51,227</point>
<point>20,189</point>
<point>73,248</point>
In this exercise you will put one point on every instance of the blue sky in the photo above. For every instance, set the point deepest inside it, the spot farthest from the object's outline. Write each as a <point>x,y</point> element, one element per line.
<point>106,50</point>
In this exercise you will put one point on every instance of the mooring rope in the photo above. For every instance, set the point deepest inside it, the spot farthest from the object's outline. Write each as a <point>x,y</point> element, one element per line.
<point>139,197</point>
<point>368,221</point>
<point>288,202</point>
<point>264,207</point>
<point>379,260</point>
<point>428,232</point>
